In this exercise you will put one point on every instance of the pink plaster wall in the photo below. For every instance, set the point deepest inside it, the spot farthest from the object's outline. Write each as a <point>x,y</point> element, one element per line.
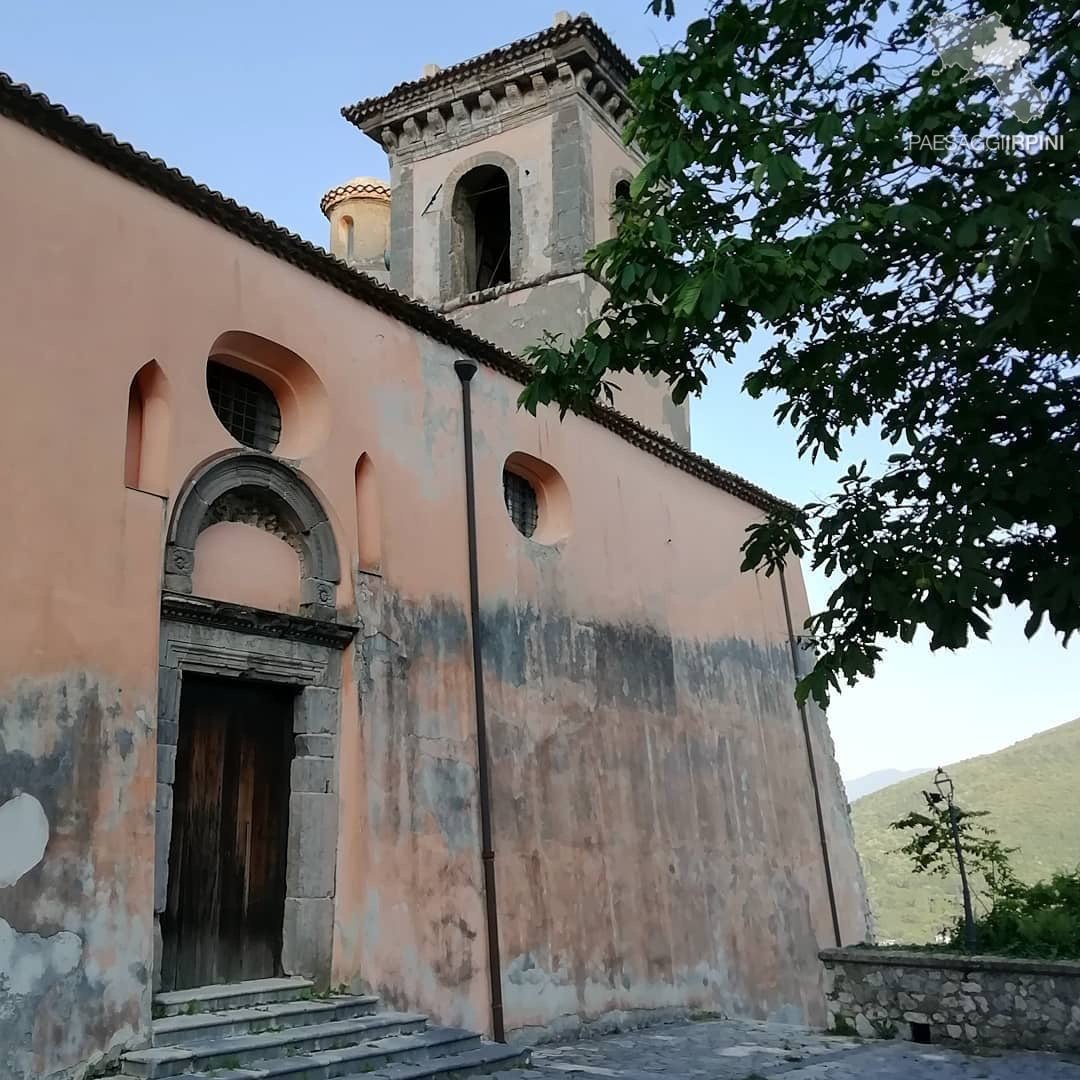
<point>655,835</point>
<point>246,565</point>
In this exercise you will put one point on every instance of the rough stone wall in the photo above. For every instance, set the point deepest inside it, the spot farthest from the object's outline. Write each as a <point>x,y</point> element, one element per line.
<point>983,1001</point>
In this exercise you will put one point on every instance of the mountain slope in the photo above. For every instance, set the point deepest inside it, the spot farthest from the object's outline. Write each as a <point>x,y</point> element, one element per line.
<point>1032,790</point>
<point>875,781</point>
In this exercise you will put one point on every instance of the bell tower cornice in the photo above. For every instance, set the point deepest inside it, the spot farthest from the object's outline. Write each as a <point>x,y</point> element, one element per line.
<point>500,89</point>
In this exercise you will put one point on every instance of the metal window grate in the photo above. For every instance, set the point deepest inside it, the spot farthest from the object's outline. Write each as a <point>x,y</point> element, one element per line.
<point>246,406</point>
<point>521,505</point>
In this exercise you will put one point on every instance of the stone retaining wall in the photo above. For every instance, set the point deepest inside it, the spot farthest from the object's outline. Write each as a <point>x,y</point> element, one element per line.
<point>951,998</point>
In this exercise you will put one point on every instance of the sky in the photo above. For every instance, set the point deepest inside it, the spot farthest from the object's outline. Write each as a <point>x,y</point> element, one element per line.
<point>245,97</point>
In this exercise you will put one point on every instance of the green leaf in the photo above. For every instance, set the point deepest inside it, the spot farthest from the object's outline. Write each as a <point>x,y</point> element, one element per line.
<point>843,255</point>
<point>688,296</point>
<point>966,233</point>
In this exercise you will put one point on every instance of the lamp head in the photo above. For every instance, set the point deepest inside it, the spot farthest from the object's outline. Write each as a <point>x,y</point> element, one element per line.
<point>943,783</point>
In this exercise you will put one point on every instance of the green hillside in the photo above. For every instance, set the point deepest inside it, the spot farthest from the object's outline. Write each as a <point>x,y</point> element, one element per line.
<point>1032,790</point>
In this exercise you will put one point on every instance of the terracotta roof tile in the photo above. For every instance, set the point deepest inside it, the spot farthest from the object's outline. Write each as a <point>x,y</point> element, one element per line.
<point>366,186</point>
<point>54,122</point>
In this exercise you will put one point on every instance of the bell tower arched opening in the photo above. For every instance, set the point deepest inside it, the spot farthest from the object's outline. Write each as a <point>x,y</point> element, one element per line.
<point>482,229</point>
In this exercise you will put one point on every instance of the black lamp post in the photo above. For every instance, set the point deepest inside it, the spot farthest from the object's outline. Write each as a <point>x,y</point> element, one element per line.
<point>943,783</point>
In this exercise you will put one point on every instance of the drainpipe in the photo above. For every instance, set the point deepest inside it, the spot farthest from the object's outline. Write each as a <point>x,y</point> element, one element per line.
<point>465,370</point>
<point>792,640</point>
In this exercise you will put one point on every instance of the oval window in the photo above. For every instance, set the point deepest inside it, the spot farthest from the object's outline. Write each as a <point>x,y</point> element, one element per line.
<point>536,497</point>
<point>245,405</point>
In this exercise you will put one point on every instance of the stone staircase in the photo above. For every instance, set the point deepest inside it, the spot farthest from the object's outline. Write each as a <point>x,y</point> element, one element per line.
<point>277,1028</point>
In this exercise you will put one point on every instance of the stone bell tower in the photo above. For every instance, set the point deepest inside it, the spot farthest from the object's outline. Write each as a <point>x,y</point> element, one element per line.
<point>504,173</point>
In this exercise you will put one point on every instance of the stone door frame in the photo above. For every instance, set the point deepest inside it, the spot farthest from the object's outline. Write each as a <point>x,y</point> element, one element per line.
<point>209,637</point>
<point>217,638</point>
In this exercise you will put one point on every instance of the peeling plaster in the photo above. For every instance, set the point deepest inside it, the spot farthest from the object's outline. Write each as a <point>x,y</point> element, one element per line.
<point>24,834</point>
<point>75,926</point>
<point>30,963</point>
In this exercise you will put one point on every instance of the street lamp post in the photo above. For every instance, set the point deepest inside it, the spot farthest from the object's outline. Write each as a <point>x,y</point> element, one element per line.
<point>943,783</point>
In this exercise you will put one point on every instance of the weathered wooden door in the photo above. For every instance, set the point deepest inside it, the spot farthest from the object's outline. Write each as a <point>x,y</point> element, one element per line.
<point>226,896</point>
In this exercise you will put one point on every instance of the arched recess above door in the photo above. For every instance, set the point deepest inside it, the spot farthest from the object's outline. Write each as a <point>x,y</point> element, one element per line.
<point>262,490</point>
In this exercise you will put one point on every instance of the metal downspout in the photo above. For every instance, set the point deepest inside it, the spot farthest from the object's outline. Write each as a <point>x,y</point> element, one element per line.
<point>465,370</point>
<point>793,642</point>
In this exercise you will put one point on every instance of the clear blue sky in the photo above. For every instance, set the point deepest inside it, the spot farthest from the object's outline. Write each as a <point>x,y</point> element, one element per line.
<point>244,97</point>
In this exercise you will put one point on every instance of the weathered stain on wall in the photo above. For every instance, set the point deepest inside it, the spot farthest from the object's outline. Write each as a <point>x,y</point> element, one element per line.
<point>73,926</point>
<point>646,858</point>
<point>410,922</point>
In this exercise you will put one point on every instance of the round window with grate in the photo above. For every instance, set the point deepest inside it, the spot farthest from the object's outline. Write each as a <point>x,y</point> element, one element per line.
<point>521,502</point>
<point>245,405</point>
<point>536,498</point>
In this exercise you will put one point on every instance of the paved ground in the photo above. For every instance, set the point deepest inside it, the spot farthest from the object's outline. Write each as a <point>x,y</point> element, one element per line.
<point>728,1050</point>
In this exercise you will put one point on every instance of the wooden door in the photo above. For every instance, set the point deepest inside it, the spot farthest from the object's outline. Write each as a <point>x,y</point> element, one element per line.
<point>226,896</point>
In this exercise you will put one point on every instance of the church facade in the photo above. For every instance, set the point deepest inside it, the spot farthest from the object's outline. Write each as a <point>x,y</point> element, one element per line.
<point>322,658</point>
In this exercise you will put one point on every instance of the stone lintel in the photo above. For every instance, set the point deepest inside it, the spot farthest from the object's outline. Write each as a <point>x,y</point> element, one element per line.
<point>276,624</point>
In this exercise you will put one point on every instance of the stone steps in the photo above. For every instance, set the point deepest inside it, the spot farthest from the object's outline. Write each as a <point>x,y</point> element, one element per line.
<point>234,1051</point>
<point>258,1019</point>
<point>486,1058</point>
<point>232,996</point>
<point>274,1028</point>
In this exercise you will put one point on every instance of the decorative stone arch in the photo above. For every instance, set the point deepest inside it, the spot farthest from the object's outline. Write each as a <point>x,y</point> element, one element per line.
<point>451,255</point>
<point>253,487</point>
<point>203,636</point>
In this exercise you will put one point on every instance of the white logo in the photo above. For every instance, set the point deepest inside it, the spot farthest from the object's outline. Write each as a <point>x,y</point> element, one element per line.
<point>984,47</point>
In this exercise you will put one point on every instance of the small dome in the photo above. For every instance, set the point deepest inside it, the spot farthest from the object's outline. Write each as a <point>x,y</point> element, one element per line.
<point>359,187</point>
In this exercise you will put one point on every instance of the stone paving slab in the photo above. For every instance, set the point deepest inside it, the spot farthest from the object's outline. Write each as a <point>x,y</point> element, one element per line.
<point>737,1050</point>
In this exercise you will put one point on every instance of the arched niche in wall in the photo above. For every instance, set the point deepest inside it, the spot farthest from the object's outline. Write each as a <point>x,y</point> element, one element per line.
<point>301,398</point>
<point>348,235</point>
<point>146,450</point>
<point>368,517</point>
<point>254,490</point>
<point>482,237</point>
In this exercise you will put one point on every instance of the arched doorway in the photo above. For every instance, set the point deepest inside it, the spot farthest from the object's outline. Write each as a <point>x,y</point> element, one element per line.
<point>248,713</point>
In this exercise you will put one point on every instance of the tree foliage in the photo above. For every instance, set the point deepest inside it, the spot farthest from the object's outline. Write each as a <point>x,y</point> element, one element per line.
<point>791,185</point>
<point>931,848</point>
<point>1040,920</point>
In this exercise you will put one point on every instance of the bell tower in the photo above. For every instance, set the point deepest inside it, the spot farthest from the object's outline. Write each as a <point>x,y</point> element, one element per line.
<point>504,171</point>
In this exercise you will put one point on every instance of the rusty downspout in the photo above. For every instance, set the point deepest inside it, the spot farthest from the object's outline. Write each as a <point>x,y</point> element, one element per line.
<point>465,370</point>
<point>793,642</point>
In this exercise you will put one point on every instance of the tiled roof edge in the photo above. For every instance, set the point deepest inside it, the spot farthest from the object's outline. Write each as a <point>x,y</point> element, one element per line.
<point>54,122</point>
<point>552,35</point>
<point>343,191</point>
